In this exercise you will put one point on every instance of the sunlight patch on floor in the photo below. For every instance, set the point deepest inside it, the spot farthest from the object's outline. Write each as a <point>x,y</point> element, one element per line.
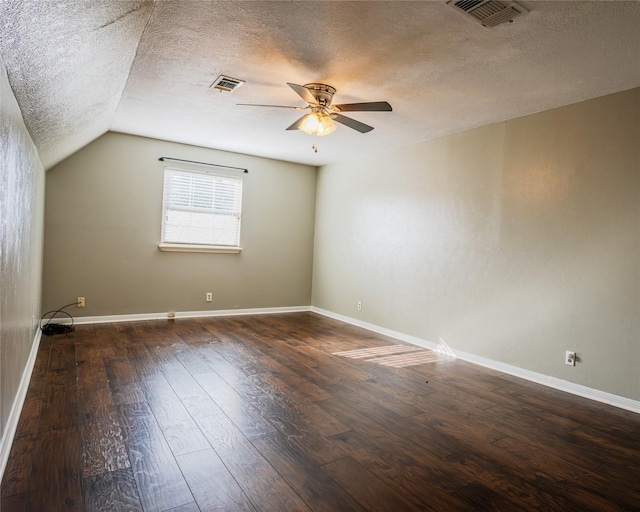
<point>398,356</point>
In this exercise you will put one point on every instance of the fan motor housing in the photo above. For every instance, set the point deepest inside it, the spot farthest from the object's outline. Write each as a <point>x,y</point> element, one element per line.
<point>323,93</point>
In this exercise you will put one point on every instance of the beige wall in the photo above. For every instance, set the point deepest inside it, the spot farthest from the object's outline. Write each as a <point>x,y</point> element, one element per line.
<point>103,218</point>
<point>21,226</point>
<point>515,241</point>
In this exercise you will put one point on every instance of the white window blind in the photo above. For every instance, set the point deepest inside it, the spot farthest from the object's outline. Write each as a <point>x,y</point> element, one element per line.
<point>201,209</point>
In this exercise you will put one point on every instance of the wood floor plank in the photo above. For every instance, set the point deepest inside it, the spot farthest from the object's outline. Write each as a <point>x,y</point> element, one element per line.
<point>300,469</point>
<point>94,403</point>
<point>60,405</point>
<point>192,332</point>
<point>180,431</point>
<point>213,486</point>
<point>15,503</point>
<point>509,477</point>
<point>375,428</point>
<point>332,368</point>
<point>537,433</point>
<point>609,481</point>
<point>245,358</point>
<point>91,374</point>
<point>260,482</point>
<point>159,480</point>
<point>142,352</point>
<point>317,418</point>
<point>285,412</point>
<point>163,356</point>
<point>622,439</point>
<point>573,483</point>
<point>269,333</point>
<point>370,491</point>
<point>293,422</point>
<point>63,353</point>
<point>193,361</point>
<point>407,468</point>
<point>128,393</point>
<point>564,467</point>
<point>56,481</point>
<point>119,371</point>
<point>246,417</point>
<point>20,461</point>
<point>189,507</point>
<point>142,363</point>
<point>114,491</point>
<point>88,345</point>
<point>480,497</point>
<point>376,396</point>
<point>30,416</point>
<point>408,390</point>
<point>164,344</point>
<point>305,383</point>
<point>466,431</point>
<point>233,375</point>
<point>554,417</point>
<point>274,360</point>
<point>19,466</point>
<point>281,385</point>
<point>478,397</point>
<point>381,422</point>
<point>103,447</point>
<point>194,398</point>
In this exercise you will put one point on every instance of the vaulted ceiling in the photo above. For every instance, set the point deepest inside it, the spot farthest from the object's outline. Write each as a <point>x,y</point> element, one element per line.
<point>81,68</point>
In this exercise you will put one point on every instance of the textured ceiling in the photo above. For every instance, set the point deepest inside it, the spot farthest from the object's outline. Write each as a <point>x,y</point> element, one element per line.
<point>80,68</point>
<point>68,62</point>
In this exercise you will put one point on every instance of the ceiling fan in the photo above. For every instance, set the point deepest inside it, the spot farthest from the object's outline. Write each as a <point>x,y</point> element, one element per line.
<point>320,121</point>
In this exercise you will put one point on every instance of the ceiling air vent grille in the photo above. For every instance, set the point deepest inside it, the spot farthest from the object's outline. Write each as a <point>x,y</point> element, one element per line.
<point>226,83</point>
<point>489,13</point>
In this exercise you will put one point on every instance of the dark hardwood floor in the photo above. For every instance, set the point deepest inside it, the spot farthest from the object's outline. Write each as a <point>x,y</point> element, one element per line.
<point>299,412</point>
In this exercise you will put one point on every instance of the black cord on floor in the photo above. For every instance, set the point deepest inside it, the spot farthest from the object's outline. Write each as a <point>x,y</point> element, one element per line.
<point>49,329</point>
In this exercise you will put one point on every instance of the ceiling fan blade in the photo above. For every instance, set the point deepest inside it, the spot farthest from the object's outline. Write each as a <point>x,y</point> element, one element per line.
<point>297,124</point>
<point>371,106</point>
<point>352,123</point>
<point>304,93</point>
<point>276,106</point>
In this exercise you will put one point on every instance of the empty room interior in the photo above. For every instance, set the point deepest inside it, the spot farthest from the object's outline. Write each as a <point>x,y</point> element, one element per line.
<point>319,255</point>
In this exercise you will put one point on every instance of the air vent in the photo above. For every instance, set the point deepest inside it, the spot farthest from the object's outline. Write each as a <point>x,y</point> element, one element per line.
<point>489,13</point>
<point>226,83</point>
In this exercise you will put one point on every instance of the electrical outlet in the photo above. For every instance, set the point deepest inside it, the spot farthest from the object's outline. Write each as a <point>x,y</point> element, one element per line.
<point>209,296</point>
<point>80,302</point>
<point>359,306</point>
<point>570,358</point>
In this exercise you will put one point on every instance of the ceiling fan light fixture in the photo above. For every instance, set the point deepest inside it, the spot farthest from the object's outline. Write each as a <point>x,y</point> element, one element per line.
<point>326,125</point>
<point>310,123</point>
<point>317,124</point>
<point>322,118</point>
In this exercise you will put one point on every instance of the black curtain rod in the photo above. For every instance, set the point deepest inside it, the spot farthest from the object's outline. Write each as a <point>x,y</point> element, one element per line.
<point>163,158</point>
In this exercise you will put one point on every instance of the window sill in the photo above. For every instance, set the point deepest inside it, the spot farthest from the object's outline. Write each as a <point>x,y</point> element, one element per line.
<point>199,248</point>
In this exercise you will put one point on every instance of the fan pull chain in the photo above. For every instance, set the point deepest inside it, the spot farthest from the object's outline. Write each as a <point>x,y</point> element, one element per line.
<point>314,146</point>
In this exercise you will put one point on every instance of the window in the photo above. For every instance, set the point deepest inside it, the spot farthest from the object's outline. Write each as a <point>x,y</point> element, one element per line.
<point>201,211</point>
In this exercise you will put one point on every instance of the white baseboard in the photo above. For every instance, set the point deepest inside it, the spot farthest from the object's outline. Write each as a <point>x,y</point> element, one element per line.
<point>553,382</point>
<point>18,402</point>
<point>180,314</point>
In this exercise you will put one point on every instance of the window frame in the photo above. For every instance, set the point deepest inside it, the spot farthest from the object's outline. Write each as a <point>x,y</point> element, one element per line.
<point>191,247</point>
